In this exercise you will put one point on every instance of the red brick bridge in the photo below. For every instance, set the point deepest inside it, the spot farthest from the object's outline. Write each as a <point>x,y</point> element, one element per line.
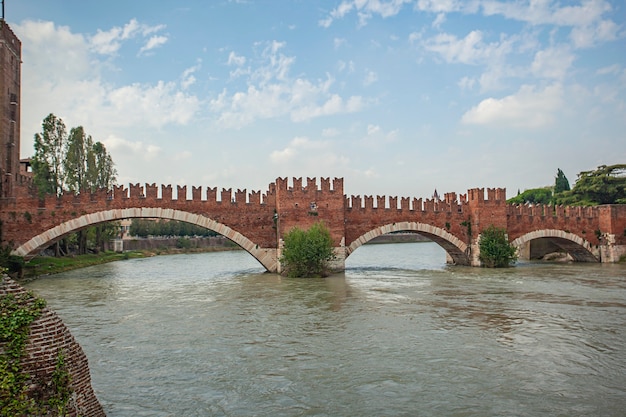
<point>257,221</point>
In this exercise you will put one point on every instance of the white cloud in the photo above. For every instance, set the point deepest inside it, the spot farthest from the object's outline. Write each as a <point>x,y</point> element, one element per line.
<point>131,149</point>
<point>87,99</point>
<point>370,78</point>
<point>109,42</point>
<point>271,92</point>
<point>364,9</point>
<point>469,50</point>
<point>552,63</point>
<point>153,42</point>
<point>466,83</point>
<point>528,108</point>
<point>236,60</point>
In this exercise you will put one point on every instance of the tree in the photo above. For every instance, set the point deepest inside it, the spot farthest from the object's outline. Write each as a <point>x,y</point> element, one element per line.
<point>72,163</point>
<point>495,249</point>
<point>307,253</point>
<point>47,163</point>
<point>561,183</point>
<point>533,196</point>
<point>100,168</point>
<point>605,185</point>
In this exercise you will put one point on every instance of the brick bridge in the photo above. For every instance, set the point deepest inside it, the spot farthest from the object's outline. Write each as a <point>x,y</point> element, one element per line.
<point>257,221</point>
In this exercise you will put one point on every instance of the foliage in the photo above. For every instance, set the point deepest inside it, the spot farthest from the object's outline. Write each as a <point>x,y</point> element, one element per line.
<point>560,183</point>
<point>72,163</point>
<point>307,253</point>
<point>534,196</point>
<point>144,228</point>
<point>495,249</point>
<point>44,265</point>
<point>605,185</point>
<point>47,163</point>
<point>17,314</point>
<point>60,384</point>
<point>11,263</point>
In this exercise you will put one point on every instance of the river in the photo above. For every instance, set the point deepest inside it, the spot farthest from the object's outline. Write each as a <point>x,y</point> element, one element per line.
<point>400,333</point>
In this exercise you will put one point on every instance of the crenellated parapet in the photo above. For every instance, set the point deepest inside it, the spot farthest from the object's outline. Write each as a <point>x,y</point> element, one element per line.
<point>297,188</point>
<point>258,221</point>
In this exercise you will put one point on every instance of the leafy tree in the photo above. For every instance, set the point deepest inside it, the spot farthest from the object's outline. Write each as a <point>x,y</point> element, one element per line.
<point>533,196</point>
<point>307,253</point>
<point>605,185</point>
<point>78,146</point>
<point>146,227</point>
<point>561,183</point>
<point>495,249</point>
<point>47,163</point>
<point>100,168</point>
<point>76,164</point>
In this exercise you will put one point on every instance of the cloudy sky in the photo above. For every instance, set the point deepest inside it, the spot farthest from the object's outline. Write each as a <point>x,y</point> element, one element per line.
<point>399,97</point>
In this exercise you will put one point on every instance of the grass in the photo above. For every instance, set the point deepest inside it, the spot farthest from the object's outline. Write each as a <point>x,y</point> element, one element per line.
<point>44,265</point>
<point>47,265</point>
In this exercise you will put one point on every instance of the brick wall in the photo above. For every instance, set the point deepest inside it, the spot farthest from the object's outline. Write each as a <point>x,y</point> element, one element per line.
<point>48,337</point>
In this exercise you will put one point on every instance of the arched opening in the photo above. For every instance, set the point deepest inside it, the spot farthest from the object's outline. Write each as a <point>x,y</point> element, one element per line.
<point>539,243</point>
<point>456,250</point>
<point>31,248</point>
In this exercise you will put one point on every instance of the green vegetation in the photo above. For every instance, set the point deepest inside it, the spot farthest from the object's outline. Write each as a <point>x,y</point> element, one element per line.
<point>43,265</point>
<point>145,228</point>
<point>307,253</point>
<point>605,185</point>
<point>18,312</point>
<point>16,397</point>
<point>561,184</point>
<point>72,163</point>
<point>495,249</point>
<point>533,196</point>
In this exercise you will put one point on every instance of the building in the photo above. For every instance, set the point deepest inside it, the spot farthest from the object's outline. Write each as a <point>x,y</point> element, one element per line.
<point>10,75</point>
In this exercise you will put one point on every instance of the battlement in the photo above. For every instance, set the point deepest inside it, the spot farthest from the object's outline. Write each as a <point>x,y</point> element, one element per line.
<point>449,204</point>
<point>542,210</point>
<point>477,195</point>
<point>311,186</point>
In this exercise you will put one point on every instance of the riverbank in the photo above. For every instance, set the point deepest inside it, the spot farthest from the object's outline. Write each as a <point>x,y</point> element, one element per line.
<point>48,265</point>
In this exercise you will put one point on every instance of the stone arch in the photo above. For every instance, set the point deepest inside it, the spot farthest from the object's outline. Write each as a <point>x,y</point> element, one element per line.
<point>29,249</point>
<point>578,248</point>
<point>455,248</point>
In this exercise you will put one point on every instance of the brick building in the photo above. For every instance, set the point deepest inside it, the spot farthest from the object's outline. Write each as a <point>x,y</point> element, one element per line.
<point>10,75</point>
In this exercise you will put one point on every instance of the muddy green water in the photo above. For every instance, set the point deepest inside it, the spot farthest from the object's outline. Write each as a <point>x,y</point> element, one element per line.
<point>399,334</point>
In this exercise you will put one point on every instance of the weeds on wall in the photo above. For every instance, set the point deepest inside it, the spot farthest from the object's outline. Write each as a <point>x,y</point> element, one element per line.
<point>17,396</point>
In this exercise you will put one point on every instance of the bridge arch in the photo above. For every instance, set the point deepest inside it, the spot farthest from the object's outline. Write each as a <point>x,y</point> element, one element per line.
<point>29,249</point>
<point>456,249</point>
<point>578,248</point>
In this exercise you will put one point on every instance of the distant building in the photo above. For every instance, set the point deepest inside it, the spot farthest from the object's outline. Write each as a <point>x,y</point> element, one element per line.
<point>10,94</point>
<point>436,196</point>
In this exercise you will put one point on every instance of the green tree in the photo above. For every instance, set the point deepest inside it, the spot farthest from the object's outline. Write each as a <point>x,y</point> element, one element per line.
<point>307,253</point>
<point>495,249</point>
<point>76,164</point>
<point>47,163</point>
<point>534,196</point>
<point>100,167</point>
<point>78,147</point>
<point>605,185</point>
<point>560,183</point>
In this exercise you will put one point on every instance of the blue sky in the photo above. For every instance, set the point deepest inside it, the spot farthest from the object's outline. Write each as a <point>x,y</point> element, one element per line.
<point>399,97</point>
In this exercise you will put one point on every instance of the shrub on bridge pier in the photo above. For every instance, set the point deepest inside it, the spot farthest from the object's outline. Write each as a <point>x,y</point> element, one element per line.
<point>307,254</point>
<point>495,249</point>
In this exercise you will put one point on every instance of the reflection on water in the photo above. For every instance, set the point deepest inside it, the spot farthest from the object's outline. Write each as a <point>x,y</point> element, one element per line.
<point>399,333</point>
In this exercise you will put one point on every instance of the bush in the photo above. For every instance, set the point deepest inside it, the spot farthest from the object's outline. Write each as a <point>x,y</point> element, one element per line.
<point>307,253</point>
<point>495,249</point>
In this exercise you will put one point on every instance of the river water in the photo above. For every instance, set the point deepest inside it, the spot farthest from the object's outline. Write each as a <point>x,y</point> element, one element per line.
<point>399,334</point>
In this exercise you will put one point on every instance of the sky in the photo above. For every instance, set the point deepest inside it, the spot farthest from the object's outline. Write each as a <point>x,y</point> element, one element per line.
<point>398,97</point>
